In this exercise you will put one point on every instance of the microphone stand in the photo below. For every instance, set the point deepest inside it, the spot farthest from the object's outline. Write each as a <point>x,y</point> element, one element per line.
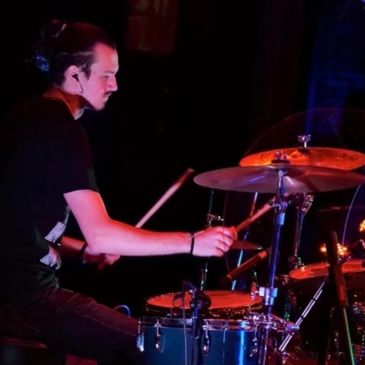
<point>338,288</point>
<point>248,264</point>
<point>196,325</point>
<point>199,302</point>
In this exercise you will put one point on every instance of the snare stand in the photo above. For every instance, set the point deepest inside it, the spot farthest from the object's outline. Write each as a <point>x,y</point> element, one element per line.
<point>270,292</point>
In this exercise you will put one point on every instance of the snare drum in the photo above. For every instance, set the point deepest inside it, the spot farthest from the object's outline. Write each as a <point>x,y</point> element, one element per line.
<point>167,341</point>
<point>224,304</point>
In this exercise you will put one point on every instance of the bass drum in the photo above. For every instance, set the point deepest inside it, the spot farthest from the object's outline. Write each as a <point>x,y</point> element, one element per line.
<point>168,341</point>
<point>224,304</point>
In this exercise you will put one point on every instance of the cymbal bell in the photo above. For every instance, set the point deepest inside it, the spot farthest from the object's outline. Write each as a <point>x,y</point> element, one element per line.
<point>264,179</point>
<point>337,158</point>
<point>245,245</point>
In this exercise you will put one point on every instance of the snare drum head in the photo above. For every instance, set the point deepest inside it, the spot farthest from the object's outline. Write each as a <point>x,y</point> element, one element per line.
<point>221,300</point>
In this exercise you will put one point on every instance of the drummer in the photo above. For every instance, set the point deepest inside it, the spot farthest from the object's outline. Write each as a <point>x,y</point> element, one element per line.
<point>46,173</point>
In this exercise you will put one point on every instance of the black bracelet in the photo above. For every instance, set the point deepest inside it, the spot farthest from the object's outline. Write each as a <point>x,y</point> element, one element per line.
<point>82,251</point>
<point>192,243</point>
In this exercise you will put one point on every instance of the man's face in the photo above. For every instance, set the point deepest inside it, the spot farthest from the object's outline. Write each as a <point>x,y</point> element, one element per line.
<point>102,81</point>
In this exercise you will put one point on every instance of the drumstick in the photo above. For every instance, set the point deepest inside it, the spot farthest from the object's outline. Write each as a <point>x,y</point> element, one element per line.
<point>175,186</point>
<point>244,224</point>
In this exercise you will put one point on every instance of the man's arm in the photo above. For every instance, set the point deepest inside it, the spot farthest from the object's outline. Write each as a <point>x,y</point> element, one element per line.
<point>74,248</point>
<point>71,247</point>
<point>108,236</point>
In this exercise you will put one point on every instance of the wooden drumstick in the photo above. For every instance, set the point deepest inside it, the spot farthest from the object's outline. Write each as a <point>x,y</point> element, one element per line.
<point>244,224</point>
<point>175,186</point>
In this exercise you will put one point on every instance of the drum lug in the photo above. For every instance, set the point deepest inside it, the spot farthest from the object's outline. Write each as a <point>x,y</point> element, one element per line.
<point>255,344</point>
<point>140,338</point>
<point>158,336</point>
<point>206,341</point>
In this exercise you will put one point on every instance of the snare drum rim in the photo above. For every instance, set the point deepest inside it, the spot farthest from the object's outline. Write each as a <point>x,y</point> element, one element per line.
<point>221,300</point>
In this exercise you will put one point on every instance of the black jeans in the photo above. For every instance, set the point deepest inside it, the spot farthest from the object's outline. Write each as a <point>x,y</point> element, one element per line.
<point>72,323</point>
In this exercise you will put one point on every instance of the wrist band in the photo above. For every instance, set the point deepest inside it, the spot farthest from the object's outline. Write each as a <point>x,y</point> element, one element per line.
<point>82,251</point>
<point>192,243</point>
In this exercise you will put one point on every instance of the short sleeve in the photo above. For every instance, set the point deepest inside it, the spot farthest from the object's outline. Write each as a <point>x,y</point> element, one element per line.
<point>68,165</point>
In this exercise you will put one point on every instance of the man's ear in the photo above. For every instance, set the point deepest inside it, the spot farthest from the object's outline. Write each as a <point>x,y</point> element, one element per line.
<point>73,71</point>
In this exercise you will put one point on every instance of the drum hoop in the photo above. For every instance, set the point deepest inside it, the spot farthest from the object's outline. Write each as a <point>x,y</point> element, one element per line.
<point>173,302</point>
<point>208,323</point>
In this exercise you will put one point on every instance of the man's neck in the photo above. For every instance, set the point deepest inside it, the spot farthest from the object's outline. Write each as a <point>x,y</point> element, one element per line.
<point>73,102</point>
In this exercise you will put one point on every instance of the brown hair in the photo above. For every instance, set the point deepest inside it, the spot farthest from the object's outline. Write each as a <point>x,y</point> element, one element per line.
<point>65,44</point>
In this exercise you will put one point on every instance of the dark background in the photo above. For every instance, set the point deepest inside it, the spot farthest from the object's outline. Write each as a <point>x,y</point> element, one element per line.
<point>219,80</point>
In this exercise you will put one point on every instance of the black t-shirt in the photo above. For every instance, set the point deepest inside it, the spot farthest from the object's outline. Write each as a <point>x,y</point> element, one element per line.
<point>44,153</point>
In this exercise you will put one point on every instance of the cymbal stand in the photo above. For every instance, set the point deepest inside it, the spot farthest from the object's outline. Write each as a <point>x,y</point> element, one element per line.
<point>270,292</point>
<point>302,202</point>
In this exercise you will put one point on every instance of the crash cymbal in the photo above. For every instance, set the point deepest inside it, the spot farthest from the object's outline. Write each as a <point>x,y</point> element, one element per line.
<point>337,158</point>
<point>264,179</point>
<point>245,245</point>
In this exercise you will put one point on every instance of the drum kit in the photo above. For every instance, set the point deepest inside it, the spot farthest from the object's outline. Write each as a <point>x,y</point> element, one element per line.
<point>227,327</point>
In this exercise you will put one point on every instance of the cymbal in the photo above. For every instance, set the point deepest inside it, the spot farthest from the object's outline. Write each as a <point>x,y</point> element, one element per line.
<point>328,126</point>
<point>353,269</point>
<point>264,179</point>
<point>337,158</point>
<point>245,245</point>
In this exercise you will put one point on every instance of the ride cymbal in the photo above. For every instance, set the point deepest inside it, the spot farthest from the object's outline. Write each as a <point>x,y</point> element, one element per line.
<point>337,158</point>
<point>265,179</point>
